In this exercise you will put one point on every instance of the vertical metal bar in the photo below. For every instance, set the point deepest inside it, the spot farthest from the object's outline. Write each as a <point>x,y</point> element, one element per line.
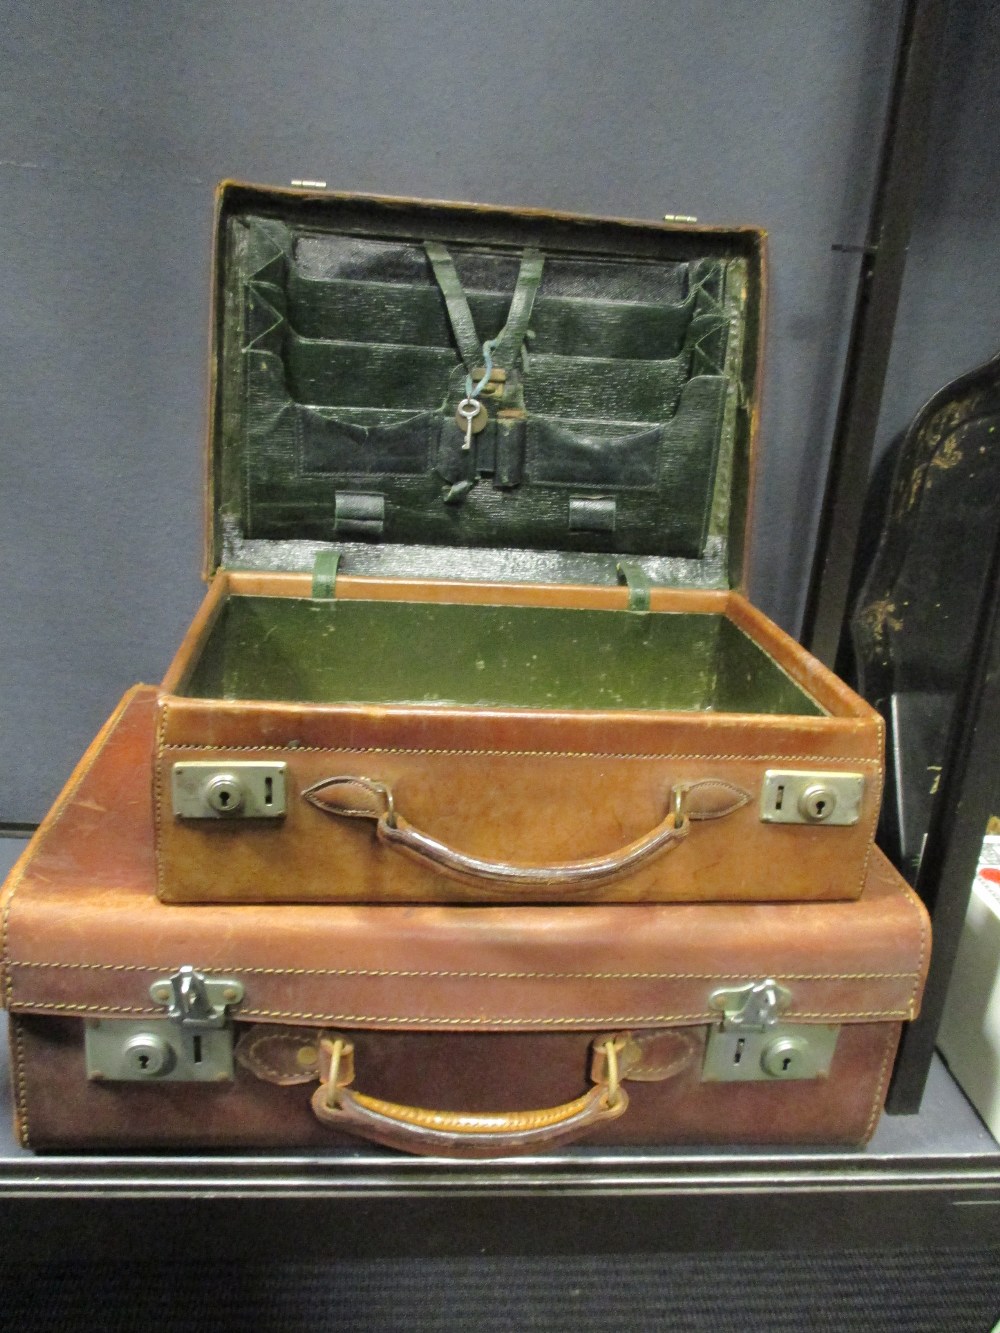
<point>904,151</point>
<point>969,793</point>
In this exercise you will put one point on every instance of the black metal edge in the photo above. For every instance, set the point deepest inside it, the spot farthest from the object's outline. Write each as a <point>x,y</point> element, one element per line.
<point>900,175</point>
<point>12,829</point>
<point>439,1210</point>
<point>968,795</point>
<point>626,1173</point>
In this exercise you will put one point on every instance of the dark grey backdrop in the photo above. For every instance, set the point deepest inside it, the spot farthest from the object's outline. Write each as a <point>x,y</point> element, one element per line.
<point>118,119</point>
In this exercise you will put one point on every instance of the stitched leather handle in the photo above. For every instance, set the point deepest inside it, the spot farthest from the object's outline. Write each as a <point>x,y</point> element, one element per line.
<point>365,798</point>
<point>414,1129</point>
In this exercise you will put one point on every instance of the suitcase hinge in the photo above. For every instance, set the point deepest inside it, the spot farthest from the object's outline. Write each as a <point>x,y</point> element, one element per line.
<point>193,1044</point>
<point>750,1044</point>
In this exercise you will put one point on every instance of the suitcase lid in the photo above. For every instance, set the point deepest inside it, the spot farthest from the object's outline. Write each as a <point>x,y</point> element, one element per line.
<point>84,935</point>
<point>610,368</point>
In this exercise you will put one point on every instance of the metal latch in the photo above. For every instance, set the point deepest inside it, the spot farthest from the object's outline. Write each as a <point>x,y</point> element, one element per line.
<point>229,789</point>
<point>792,796</point>
<point>750,1044</point>
<point>192,1044</point>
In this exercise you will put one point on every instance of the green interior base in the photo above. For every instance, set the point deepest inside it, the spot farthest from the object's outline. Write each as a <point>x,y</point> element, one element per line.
<point>298,649</point>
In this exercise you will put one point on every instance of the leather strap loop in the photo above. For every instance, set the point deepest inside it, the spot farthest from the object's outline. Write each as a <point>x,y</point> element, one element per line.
<point>364,798</point>
<point>458,1133</point>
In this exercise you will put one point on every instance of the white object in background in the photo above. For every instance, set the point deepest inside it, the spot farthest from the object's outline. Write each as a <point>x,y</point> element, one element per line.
<point>969,1036</point>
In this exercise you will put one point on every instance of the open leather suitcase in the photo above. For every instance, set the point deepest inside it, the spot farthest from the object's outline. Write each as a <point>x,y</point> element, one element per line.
<point>137,1024</point>
<point>478,488</point>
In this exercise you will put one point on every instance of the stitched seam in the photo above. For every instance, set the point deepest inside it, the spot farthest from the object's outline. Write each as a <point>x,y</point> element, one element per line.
<point>262,1065</point>
<point>394,1020</point>
<point>20,1086</point>
<point>880,724</point>
<point>42,837</point>
<point>914,902</point>
<point>526,754</point>
<point>158,797</point>
<point>880,1086</point>
<point>476,976</point>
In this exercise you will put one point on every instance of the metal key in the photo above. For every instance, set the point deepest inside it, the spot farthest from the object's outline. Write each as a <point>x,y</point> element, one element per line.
<point>469,409</point>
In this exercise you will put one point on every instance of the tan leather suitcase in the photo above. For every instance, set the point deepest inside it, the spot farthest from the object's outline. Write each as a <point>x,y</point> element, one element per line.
<point>478,487</point>
<point>475,1031</point>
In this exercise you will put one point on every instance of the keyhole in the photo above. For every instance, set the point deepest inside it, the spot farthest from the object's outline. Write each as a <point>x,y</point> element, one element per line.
<point>785,1063</point>
<point>143,1061</point>
<point>820,807</point>
<point>223,798</point>
<point>738,1053</point>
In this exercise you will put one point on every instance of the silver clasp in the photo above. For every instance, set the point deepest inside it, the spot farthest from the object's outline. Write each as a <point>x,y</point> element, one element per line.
<point>195,1001</point>
<point>752,1008</point>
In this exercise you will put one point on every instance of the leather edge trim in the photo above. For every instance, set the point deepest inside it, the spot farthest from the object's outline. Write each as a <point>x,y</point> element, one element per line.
<point>873,821</point>
<point>421,1022</point>
<point>882,1082</point>
<point>162,705</point>
<point>847,760</point>
<point>471,975</point>
<point>20,1082</point>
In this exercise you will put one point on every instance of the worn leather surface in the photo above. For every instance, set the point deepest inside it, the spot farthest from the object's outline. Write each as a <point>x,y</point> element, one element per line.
<point>464,1009</point>
<point>505,784</point>
<point>355,798</point>
<point>57,1108</point>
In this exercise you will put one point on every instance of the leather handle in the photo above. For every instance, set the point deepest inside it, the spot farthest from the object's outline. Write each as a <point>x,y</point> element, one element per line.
<point>365,798</point>
<point>414,1129</point>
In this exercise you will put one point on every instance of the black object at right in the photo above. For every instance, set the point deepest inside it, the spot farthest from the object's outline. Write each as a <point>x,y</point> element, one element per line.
<point>915,624</point>
<point>927,638</point>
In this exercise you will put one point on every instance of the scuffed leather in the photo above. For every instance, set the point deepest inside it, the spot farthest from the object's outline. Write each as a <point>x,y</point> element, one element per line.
<point>450,1070</point>
<point>84,933</point>
<point>464,1009</point>
<point>518,785</point>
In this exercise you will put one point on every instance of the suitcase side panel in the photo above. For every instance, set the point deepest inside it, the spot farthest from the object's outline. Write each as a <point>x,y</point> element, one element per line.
<point>531,806</point>
<point>59,1109</point>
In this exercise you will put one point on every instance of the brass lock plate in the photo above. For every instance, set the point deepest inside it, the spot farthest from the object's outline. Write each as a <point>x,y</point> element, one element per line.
<point>794,796</point>
<point>229,789</point>
<point>782,1052</point>
<point>150,1051</point>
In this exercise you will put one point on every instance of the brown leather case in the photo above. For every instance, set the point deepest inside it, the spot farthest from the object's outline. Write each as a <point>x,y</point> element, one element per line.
<point>455,1030</point>
<point>492,804</point>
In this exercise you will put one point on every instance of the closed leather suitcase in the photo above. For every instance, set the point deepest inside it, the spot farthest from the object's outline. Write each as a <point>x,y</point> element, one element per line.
<point>472,1031</point>
<point>478,488</point>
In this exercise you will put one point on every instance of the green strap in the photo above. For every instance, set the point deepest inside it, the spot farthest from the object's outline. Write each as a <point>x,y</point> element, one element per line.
<point>462,323</point>
<point>637,581</point>
<point>507,343</point>
<point>325,574</point>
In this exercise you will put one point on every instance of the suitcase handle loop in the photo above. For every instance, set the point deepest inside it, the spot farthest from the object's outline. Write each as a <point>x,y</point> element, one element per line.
<point>365,798</point>
<point>462,1133</point>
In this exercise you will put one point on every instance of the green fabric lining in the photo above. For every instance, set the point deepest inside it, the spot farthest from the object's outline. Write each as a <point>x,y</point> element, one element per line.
<point>572,326</point>
<point>370,404</point>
